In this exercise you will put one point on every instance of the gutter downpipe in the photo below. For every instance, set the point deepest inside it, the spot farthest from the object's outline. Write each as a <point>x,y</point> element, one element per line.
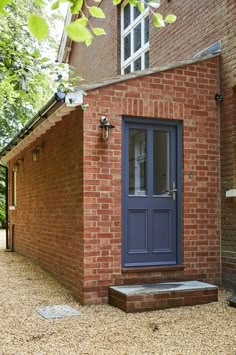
<point>6,203</point>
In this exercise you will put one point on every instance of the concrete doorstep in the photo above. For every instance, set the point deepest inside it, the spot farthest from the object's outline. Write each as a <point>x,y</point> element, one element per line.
<point>137,298</point>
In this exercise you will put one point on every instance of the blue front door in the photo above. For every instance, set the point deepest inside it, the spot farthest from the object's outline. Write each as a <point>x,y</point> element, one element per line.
<point>151,192</point>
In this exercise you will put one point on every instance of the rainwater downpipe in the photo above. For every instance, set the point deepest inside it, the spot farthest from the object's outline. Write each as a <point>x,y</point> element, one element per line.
<point>6,203</point>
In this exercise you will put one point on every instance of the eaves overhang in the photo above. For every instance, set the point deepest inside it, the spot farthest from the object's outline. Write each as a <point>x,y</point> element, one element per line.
<point>58,106</point>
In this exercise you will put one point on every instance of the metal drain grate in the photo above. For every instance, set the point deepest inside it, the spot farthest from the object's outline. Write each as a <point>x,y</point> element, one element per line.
<point>59,311</point>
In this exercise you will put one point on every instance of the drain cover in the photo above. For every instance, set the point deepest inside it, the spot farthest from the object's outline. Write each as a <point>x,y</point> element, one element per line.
<point>232,301</point>
<point>59,311</point>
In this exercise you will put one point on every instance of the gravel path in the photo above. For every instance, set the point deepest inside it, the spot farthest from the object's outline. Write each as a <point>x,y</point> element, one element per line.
<point>207,329</point>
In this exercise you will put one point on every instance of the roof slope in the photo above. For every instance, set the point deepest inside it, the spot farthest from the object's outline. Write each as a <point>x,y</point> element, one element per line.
<point>56,107</point>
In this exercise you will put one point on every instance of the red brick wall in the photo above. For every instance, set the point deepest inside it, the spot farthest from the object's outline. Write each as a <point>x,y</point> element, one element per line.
<point>68,214</point>
<point>48,217</point>
<point>199,24</point>
<point>101,59</point>
<point>187,94</point>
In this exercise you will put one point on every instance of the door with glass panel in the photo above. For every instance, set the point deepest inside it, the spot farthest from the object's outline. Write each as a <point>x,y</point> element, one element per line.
<point>151,193</point>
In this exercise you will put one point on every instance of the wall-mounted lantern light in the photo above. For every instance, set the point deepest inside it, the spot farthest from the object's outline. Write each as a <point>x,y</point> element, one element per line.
<point>106,127</point>
<point>218,97</point>
<point>17,164</point>
<point>35,152</point>
<point>35,155</point>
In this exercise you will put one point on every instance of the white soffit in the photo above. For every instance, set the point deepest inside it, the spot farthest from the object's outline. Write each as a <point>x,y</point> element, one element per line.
<point>44,126</point>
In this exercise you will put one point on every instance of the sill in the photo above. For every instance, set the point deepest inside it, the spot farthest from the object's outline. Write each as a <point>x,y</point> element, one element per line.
<point>12,208</point>
<point>153,268</point>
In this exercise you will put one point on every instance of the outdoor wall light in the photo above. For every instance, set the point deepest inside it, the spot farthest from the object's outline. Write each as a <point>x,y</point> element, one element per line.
<point>35,155</point>
<point>218,97</point>
<point>35,152</point>
<point>17,164</point>
<point>106,127</point>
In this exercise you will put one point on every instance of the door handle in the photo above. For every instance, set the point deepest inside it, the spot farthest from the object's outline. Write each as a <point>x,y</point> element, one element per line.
<point>172,191</point>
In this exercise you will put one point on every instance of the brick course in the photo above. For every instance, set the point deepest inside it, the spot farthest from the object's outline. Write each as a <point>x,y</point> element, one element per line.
<point>68,215</point>
<point>49,212</point>
<point>152,301</point>
<point>199,24</point>
<point>151,97</point>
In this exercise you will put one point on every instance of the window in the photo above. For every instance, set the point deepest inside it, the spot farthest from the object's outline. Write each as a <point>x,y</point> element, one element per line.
<point>14,173</point>
<point>134,39</point>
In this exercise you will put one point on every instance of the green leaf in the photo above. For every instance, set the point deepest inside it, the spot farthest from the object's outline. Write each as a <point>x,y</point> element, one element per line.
<point>140,6</point>
<point>3,3</point>
<point>154,4</point>
<point>78,33</point>
<point>55,5</point>
<point>133,2</point>
<point>45,60</point>
<point>96,12</point>
<point>158,20</point>
<point>116,2</point>
<point>77,6</point>
<point>88,42</point>
<point>170,18</point>
<point>82,21</point>
<point>36,54</point>
<point>99,31</point>
<point>38,26</point>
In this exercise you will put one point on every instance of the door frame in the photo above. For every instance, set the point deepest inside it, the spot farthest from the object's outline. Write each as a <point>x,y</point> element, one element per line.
<point>178,125</point>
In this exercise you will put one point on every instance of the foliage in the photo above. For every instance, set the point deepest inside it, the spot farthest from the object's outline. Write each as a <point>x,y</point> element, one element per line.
<point>27,79</point>
<point>80,29</point>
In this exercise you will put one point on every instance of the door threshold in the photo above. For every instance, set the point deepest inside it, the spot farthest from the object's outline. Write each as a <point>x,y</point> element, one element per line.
<point>153,268</point>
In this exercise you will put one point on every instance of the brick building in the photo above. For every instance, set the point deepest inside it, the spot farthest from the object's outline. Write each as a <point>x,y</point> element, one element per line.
<point>148,203</point>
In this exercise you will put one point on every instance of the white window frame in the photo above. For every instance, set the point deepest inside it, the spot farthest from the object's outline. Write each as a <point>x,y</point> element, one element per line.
<point>130,29</point>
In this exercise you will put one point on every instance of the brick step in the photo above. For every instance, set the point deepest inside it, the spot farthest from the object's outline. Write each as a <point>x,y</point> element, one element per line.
<point>138,298</point>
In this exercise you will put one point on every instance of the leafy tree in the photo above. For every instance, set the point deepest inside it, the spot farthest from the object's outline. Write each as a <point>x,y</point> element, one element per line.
<point>80,30</point>
<point>26,78</point>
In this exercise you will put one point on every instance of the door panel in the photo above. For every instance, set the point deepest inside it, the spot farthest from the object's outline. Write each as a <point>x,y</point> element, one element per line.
<point>151,192</point>
<point>161,231</point>
<point>137,226</point>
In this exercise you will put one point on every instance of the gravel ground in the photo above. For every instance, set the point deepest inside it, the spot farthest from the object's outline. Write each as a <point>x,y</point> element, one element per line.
<point>206,329</point>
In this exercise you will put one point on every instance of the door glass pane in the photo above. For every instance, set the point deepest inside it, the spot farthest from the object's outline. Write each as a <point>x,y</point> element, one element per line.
<point>126,16</point>
<point>137,162</point>
<point>137,64</point>
<point>127,47</point>
<point>137,37</point>
<point>161,162</point>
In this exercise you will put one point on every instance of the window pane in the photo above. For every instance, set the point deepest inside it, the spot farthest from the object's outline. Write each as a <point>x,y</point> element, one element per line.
<point>137,37</point>
<point>146,29</point>
<point>127,69</point>
<point>137,162</point>
<point>126,16</point>
<point>146,60</point>
<point>137,64</point>
<point>127,47</point>
<point>136,12</point>
<point>161,162</point>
